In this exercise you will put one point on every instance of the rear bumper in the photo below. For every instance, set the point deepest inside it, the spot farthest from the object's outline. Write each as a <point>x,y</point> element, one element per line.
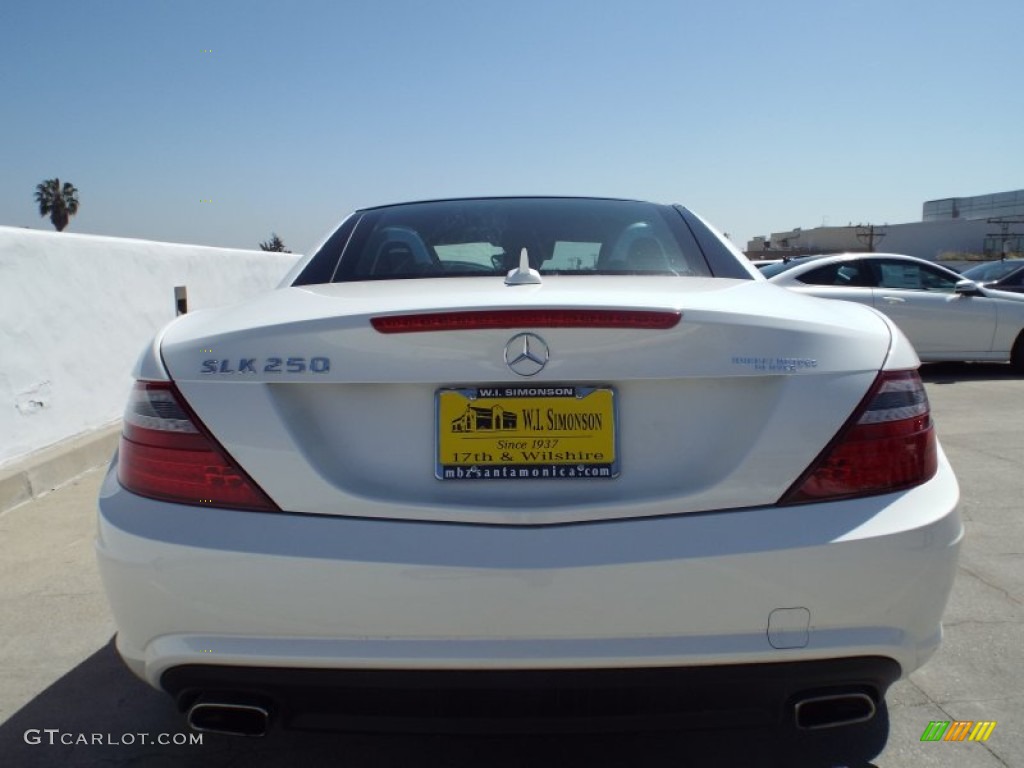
<point>748,695</point>
<point>192,586</point>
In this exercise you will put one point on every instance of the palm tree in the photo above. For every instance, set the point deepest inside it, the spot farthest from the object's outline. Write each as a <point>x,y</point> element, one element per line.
<point>60,204</point>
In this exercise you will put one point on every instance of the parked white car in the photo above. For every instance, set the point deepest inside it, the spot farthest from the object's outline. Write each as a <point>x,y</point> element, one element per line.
<point>945,316</point>
<point>504,459</point>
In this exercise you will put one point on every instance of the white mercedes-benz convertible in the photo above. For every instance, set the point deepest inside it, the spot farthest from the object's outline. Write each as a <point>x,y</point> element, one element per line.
<point>506,459</point>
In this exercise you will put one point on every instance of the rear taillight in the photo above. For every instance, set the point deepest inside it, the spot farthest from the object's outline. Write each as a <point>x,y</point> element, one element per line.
<point>166,454</point>
<point>887,445</point>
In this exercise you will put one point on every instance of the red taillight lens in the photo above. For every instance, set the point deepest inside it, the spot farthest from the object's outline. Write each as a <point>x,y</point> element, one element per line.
<point>887,445</point>
<point>527,318</point>
<point>166,454</point>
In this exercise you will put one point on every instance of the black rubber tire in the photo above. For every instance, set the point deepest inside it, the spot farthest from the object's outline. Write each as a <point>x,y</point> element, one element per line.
<point>1017,354</point>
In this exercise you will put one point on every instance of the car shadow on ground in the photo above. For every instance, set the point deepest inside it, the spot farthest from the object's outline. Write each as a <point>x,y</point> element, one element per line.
<point>950,373</point>
<point>104,716</point>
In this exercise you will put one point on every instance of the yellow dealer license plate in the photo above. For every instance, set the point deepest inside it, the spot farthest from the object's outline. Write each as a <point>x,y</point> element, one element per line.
<point>526,433</point>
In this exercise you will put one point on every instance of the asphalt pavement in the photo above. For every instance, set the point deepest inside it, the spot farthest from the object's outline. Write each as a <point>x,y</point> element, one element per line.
<point>66,699</point>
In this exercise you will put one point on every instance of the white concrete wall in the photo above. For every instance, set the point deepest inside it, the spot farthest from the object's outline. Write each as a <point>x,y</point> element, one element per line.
<point>76,311</point>
<point>936,240</point>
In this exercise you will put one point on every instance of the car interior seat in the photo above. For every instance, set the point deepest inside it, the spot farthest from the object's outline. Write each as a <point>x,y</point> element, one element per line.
<point>646,255</point>
<point>400,251</point>
<point>636,249</point>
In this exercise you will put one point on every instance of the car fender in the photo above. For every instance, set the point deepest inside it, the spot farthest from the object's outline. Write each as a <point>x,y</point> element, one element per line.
<point>1009,318</point>
<point>901,354</point>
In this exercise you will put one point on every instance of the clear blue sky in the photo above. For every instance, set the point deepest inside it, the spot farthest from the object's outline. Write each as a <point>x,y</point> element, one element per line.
<point>761,115</point>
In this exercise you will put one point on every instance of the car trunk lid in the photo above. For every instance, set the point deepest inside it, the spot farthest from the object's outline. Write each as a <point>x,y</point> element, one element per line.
<point>722,410</point>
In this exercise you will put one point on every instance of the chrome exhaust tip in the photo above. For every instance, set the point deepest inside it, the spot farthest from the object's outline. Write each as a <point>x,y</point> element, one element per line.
<point>832,711</point>
<point>231,716</point>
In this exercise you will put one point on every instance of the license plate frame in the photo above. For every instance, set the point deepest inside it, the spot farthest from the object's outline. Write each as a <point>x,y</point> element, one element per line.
<point>535,432</point>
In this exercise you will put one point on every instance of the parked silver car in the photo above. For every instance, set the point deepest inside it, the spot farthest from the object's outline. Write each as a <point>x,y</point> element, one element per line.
<point>945,315</point>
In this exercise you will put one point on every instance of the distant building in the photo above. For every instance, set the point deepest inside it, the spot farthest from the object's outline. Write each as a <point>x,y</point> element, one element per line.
<point>1002,210</point>
<point>978,207</point>
<point>954,229</point>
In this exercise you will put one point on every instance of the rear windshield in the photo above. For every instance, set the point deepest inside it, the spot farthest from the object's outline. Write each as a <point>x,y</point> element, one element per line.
<point>459,238</point>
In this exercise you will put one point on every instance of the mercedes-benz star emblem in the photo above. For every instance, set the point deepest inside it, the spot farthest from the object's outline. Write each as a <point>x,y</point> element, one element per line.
<point>526,354</point>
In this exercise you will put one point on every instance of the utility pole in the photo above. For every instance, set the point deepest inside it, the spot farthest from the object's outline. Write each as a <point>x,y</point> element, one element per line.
<point>870,237</point>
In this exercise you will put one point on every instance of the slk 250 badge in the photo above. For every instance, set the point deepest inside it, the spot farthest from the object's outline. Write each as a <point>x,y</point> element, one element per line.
<point>268,365</point>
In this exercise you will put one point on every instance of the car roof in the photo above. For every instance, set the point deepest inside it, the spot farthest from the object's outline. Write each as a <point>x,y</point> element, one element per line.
<point>867,255</point>
<point>802,263</point>
<point>499,197</point>
<point>830,258</point>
